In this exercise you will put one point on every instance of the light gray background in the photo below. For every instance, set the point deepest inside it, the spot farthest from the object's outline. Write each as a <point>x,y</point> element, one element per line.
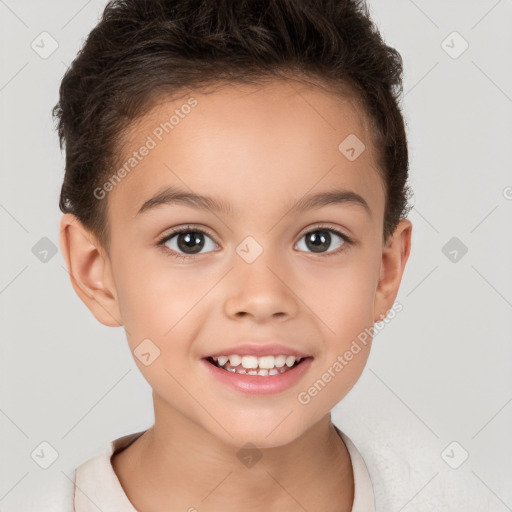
<point>439,372</point>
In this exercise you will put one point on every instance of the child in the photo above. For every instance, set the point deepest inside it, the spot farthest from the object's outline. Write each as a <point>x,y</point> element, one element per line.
<point>235,197</point>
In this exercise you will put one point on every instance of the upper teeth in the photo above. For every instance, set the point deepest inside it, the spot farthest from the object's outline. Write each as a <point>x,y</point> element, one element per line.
<point>266,362</point>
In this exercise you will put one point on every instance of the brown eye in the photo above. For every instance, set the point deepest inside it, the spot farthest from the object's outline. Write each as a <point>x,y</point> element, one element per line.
<point>192,241</point>
<point>320,240</point>
<point>187,242</point>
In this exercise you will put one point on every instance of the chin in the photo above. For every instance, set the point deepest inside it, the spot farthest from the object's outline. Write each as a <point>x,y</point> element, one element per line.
<point>262,434</point>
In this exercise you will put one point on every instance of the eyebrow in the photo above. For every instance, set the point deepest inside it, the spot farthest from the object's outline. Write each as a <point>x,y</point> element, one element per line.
<point>172,195</point>
<point>331,197</point>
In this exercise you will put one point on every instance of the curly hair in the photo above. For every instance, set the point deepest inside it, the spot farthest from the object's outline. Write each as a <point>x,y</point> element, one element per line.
<point>143,50</point>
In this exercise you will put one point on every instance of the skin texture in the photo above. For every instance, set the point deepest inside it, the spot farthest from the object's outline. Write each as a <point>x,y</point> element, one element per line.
<point>261,149</point>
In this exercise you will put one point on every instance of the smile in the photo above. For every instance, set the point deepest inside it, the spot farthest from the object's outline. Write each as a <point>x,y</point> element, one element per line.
<point>252,365</point>
<point>257,375</point>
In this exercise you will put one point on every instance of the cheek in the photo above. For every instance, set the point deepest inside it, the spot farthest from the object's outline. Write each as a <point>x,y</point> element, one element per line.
<point>343,297</point>
<point>343,303</point>
<point>161,304</point>
<point>148,293</point>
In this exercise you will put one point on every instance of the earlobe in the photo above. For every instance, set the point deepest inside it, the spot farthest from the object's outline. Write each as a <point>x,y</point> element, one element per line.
<point>394,257</point>
<point>89,270</point>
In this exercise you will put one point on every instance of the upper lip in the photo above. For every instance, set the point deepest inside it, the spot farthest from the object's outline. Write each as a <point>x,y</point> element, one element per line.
<point>259,350</point>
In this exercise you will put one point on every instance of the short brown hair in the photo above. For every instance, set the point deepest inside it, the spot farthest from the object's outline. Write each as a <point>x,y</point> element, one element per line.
<point>141,50</point>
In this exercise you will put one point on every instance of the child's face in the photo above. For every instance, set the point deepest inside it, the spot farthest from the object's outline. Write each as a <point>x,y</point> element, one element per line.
<point>256,278</point>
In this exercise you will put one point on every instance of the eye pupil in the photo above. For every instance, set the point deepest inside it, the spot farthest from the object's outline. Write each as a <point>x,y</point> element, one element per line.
<point>190,239</point>
<point>318,243</point>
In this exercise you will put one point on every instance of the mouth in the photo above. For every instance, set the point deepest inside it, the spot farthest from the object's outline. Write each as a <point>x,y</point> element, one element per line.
<point>264,366</point>
<point>252,375</point>
<point>257,368</point>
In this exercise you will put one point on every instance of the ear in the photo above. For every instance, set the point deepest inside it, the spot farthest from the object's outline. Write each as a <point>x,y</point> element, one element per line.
<point>394,257</point>
<point>90,270</point>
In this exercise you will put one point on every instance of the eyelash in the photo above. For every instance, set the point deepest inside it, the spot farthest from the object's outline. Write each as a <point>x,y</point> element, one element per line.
<point>187,229</point>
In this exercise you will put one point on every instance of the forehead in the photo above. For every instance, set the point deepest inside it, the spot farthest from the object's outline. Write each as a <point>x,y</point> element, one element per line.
<point>250,146</point>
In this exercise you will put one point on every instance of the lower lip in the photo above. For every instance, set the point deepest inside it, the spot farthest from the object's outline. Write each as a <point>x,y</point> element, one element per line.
<point>258,384</point>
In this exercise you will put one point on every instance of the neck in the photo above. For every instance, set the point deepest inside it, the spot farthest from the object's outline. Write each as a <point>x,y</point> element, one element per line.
<point>177,463</point>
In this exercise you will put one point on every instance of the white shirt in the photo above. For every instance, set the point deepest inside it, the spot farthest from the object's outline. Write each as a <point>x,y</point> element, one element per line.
<point>96,486</point>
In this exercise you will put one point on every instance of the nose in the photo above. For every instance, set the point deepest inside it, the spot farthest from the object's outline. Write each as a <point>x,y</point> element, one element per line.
<point>262,290</point>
